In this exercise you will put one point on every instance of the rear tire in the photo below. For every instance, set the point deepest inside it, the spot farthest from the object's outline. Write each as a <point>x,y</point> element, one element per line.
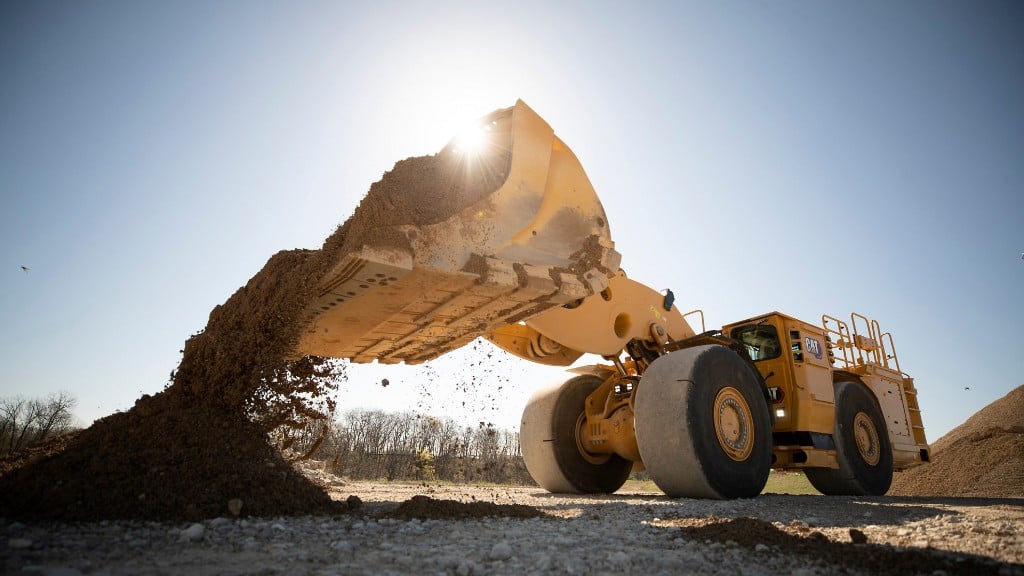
<point>862,447</point>
<point>703,426</point>
<point>550,450</point>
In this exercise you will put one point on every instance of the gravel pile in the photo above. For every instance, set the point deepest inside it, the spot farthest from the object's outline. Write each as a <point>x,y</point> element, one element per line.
<point>982,457</point>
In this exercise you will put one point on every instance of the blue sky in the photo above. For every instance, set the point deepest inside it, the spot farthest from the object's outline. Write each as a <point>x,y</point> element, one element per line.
<point>804,157</point>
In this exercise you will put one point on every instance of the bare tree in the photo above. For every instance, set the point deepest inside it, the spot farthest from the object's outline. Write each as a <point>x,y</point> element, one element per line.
<point>25,421</point>
<point>12,412</point>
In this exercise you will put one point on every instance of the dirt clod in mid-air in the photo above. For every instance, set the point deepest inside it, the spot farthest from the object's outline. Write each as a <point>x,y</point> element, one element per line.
<point>199,449</point>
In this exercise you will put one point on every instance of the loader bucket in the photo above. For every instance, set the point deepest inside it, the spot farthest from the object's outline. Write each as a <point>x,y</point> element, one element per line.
<point>498,226</point>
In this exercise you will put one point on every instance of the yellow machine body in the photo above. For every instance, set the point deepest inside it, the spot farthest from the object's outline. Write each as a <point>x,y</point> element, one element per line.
<point>799,364</point>
<point>528,262</point>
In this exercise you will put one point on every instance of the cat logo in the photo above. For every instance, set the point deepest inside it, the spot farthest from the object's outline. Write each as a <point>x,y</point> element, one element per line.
<point>813,346</point>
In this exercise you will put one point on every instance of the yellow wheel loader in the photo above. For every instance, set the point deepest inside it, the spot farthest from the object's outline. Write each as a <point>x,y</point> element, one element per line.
<point>501,235</point>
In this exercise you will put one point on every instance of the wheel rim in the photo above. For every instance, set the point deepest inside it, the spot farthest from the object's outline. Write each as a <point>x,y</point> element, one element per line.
<point>866,436</point>
<point>733,424</point>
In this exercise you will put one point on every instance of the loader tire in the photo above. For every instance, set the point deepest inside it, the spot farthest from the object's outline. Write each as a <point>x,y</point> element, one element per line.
<point>862,447</point>
<point>703,426</point>
<point>550,450</point>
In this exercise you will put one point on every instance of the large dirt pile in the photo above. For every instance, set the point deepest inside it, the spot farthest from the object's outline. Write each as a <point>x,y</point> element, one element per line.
<point>200,449</point>
<point>983,457</point>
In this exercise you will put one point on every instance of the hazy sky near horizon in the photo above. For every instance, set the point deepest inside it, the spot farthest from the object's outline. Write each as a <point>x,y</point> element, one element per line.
<point>811,158</point>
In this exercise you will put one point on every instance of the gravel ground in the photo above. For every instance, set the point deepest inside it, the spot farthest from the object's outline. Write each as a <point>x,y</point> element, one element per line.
<point>641,533</point>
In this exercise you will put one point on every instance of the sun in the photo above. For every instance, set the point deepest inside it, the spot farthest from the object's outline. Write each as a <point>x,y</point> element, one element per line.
<point>472,139</point>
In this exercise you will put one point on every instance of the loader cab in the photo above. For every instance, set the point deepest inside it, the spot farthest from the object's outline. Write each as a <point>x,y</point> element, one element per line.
<point>761,341</point>
<point>791,356</point>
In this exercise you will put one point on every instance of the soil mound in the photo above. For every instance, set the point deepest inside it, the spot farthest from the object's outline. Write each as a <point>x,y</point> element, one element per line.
<point>200,449</point>
<point>424,507</point>
<point>983,457</point>
<point>800,539</point>
<point>164,459</point>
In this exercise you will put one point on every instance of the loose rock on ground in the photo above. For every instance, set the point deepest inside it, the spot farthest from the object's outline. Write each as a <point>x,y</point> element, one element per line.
<point>632,533</point>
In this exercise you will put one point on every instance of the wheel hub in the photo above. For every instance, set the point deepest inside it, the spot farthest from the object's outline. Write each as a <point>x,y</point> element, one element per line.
<point>586,431</point>
<point>733,424</point>
<point>866,436</point>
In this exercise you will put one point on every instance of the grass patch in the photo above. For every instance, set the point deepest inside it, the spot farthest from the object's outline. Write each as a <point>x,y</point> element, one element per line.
<point>779,482</point>
<point>639,485</point>
<point>782,482</point>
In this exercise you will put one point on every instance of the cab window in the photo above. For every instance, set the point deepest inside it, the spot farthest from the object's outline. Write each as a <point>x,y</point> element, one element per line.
<point>761,341</point>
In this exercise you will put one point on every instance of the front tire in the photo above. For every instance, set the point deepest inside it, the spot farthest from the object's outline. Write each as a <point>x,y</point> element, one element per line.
<point>548,441</point>
<point>703,426</point>
<point>862,447</point>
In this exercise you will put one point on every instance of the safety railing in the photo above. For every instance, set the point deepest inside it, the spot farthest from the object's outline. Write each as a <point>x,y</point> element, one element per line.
<point>859,343</point>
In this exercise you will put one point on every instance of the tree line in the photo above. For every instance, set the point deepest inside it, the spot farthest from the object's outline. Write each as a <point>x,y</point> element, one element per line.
<point>373,444</point>
<point>25,421</point>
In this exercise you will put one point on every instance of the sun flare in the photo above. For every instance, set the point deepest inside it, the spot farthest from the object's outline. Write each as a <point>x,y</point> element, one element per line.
<point>472,139</point>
